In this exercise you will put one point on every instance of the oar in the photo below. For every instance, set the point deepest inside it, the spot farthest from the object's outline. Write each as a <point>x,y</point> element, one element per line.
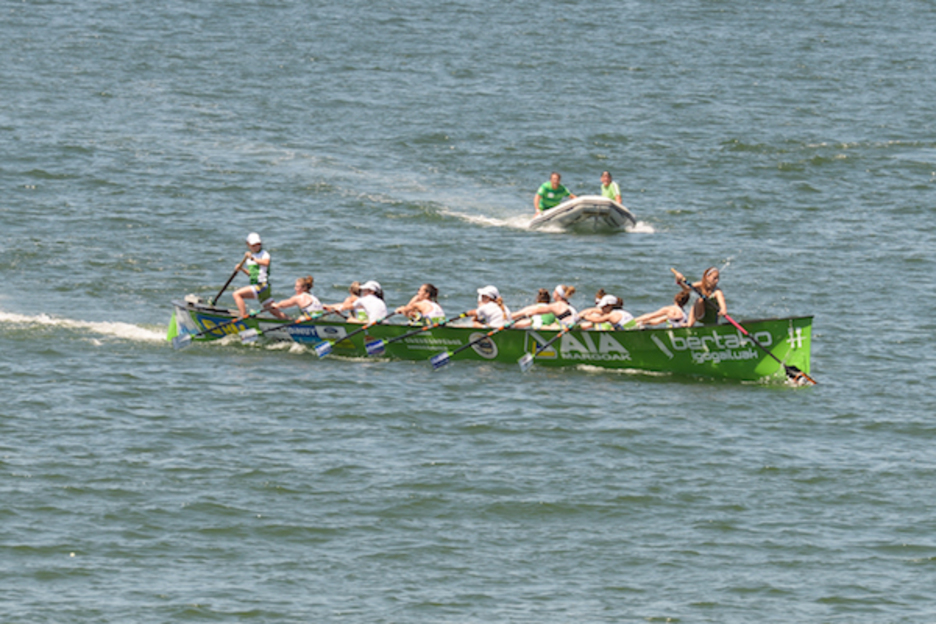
<point>792,372</point>
<point>184,340</point>
<point>325,347</point>
<point>376,347</point>
<point>251,335</point>
<point>441,359</point>
<point>237,269</point>
<point>526,362</point>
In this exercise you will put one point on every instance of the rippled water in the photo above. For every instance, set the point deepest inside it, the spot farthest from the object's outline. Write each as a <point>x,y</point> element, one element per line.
<point>792,145</point>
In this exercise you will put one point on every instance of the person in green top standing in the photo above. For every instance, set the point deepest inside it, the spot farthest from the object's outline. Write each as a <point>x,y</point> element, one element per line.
<point>551,194</point>
<point>610,188</point>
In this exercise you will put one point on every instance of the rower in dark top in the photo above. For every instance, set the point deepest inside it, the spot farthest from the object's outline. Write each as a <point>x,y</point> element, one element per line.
<point>707,314</point>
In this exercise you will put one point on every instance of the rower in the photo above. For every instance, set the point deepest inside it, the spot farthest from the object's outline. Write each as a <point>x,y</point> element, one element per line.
<point>491,311</point>
<point>424,307</point>
<point>708,286</point>
<point>370,305</point>
<point>307,303</point>
<point>560,307</point>
<point>611,315</point>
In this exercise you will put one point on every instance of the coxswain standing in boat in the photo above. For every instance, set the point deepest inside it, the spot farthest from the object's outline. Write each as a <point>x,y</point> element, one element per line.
<point>307,303</point>
<point>491,311</point>
<point>551,194</point>
<point>608,314</point>
<point>424,307</point>
<point>610,188</point>
<point>370,306</point>
<point>257,268</point>
<point>564,313</point>
<point>700,312</point>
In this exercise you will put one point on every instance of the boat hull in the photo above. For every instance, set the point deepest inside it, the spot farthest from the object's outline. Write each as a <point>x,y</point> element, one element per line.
<point>719,351</point>
<point>589,213</point>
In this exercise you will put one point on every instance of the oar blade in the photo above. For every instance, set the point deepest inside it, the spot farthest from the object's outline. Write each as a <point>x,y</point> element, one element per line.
<point>182,341</point>
<point>797,377</point>
<point>526,362</point>
<point>439,360</point>
<point>323,348</point>
<point>375,347</point>
<point>249,335</point>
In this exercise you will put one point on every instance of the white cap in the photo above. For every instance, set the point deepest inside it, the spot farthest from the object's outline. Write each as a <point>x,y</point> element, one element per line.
<point>488,291</point>
<point>559,290</point>
<point>607,300</point>
<point>371,286</point>
<point>253,238</point>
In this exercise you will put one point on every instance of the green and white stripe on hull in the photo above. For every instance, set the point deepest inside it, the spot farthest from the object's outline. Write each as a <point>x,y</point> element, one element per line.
<point>720,351</point>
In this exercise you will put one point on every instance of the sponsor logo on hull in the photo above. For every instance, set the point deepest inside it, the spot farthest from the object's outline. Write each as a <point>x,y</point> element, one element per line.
<point>322,332</point>
<point>211,326</point>
<point>485,348</point>
<point>592,346</point>
<point>713,347</point>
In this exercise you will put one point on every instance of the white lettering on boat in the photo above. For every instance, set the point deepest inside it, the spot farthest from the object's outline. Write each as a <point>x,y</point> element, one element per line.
<point>796,338</point>
<point>700,357</point>
<point>432,341</point>
<point>324,332</point>
<point>607,348</point>
<point>702,342</point>
<point>715,347</point>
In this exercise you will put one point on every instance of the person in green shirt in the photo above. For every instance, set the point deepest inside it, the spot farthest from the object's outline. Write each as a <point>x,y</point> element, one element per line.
<point>609,188</point>
<point>551,194</point>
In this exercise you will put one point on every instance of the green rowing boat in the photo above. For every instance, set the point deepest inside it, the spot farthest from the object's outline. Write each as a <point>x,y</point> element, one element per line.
<point>720,351</point>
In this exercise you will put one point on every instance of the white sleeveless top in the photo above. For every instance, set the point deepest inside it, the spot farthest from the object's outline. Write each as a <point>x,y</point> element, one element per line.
<point>311,305</point>
<point>372,306</point>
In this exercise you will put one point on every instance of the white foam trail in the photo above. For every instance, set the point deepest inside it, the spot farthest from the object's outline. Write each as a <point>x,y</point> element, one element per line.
<point>125,331</point>
<point>519,222</point>
<point>642,227</point>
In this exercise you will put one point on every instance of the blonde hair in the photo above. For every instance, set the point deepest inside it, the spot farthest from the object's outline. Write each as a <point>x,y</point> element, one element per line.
<point>564,291</point>
<point>355,288</point>
<point>306,282</point>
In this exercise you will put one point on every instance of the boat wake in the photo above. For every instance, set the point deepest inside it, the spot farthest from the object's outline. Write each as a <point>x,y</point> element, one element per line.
<point>642,227</point>
<point>519,222</point>
<point>124,331</point>
<point>522,222</point>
